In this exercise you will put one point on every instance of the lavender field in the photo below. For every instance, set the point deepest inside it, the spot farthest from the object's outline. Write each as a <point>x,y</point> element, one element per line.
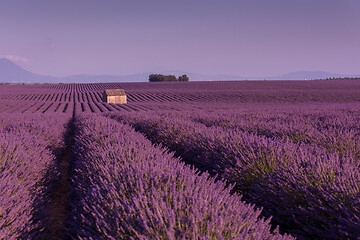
<point>191,160</point>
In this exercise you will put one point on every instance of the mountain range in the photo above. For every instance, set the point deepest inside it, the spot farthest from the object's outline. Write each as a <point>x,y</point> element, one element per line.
<point>12,73</point>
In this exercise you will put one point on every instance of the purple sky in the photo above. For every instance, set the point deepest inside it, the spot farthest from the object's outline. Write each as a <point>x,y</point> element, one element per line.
<point>251,38</point>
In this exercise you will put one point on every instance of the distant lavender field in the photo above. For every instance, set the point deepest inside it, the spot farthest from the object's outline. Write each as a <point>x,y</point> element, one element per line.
<point>194,160</point>
<point>176,96</point>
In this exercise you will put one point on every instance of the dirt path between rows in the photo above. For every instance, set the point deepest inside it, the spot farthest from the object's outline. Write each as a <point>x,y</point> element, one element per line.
<point>58,205</point>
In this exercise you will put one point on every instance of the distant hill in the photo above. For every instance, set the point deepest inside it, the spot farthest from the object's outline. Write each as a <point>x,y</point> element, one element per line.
<point>144,77</point>
<point>84,78</point>
<point>310,75</point>
<point>12,73</point>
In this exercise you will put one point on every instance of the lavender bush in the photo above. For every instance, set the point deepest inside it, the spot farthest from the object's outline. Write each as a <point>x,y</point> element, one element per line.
<point>28,145</point>
<point>306,179</point>
<point>124,187</point>
<point>334,130</point>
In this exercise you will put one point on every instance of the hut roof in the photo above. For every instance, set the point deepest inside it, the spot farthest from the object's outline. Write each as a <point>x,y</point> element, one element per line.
<point>114,92</point>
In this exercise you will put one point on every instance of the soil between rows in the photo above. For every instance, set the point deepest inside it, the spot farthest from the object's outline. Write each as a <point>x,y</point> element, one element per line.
<point>58,208</point>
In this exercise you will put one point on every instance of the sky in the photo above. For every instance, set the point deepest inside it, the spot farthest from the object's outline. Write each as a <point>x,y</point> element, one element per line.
<point>250,38</point>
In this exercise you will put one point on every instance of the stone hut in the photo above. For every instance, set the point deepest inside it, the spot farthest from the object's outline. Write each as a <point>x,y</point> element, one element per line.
<point>116,96</point>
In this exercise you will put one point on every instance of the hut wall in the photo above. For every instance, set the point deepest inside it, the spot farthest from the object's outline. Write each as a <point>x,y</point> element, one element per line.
<point>116,99</point>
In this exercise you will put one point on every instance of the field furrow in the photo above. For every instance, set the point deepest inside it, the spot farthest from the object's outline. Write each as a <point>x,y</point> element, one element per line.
<point>125,188</point>
<point>305,178</point>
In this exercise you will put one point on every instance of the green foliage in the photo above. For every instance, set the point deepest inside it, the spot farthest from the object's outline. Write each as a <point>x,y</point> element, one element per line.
<point>183,78</point>
<point>342,78</point>
<point>167,78</point>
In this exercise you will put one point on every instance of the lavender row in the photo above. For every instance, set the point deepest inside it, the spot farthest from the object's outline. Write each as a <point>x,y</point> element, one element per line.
<point>310,192</point>
<point>49,127</point>
<point>125,188</point>
<point>331,128</point>
<point>28,148</point>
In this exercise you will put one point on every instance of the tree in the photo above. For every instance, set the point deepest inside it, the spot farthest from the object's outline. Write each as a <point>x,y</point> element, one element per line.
<point>156,78</point>
<point>183,78</point>
<point>167,78</point>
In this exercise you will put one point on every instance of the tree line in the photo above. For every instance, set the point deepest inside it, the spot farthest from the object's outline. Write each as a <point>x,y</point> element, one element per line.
<point>167,78</point>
